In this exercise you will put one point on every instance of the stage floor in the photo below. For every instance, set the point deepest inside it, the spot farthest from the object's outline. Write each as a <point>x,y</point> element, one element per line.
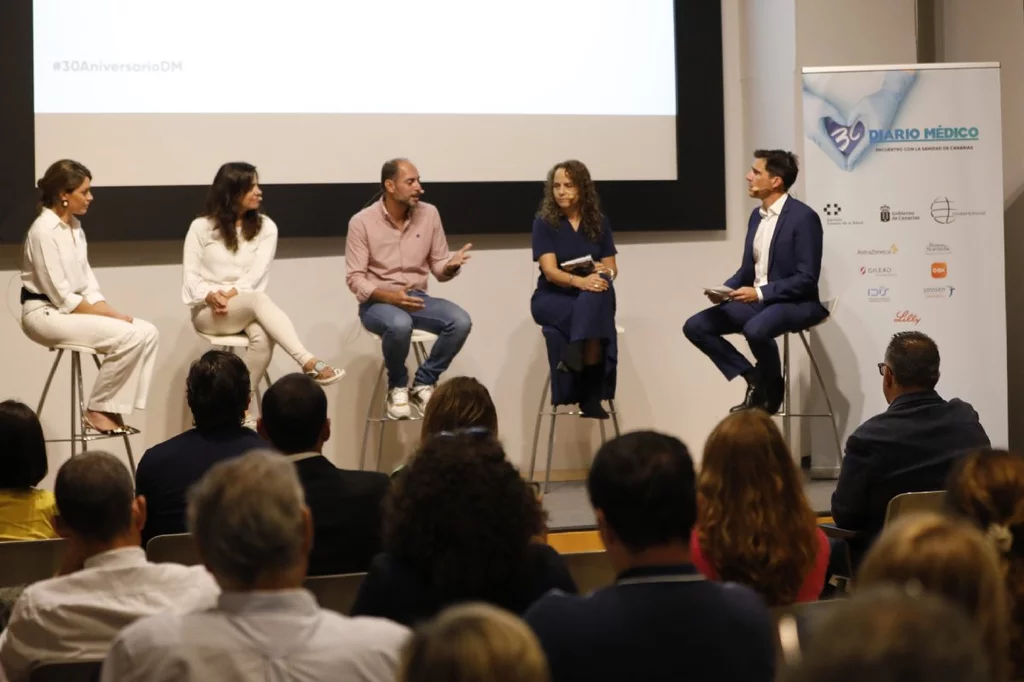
<point>568,508</point>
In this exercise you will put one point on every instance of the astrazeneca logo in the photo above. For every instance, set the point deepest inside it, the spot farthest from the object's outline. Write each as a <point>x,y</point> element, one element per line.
<point>906,317</point>
<point>891,251</point>
<point>876,272</point>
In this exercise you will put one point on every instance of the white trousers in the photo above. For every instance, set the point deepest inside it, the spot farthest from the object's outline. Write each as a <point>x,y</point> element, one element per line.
<point>253,313</point>
<point>128,349</point>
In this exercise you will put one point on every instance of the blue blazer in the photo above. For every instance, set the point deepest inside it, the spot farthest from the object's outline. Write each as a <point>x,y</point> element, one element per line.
<point>794,261</point>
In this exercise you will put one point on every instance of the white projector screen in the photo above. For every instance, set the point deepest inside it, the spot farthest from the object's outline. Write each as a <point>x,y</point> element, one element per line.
<point>323,91</point>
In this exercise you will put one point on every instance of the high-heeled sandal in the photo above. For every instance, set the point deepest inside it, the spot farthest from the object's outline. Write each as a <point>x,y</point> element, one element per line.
<point>331,378</point>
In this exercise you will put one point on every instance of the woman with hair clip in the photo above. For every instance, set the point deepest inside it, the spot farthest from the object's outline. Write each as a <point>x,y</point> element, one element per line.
<point>574,302</point>
<point>228,250</point>
<point>61,302</point>
<point>987,488</point>
<point>754,524</point>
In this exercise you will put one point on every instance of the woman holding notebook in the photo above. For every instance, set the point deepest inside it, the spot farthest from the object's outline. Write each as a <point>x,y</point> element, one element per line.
<point>574,302</point>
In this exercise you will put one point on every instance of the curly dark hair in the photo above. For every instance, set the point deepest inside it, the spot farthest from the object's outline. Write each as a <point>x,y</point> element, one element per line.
<point>461,515</point>
<point>230,184</point>
<point>591,218</point>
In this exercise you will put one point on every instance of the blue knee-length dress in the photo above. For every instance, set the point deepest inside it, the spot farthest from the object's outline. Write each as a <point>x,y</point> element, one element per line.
<point>567,314</point>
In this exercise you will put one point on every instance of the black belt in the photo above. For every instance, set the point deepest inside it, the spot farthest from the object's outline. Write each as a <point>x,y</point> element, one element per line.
<point>27,295</point>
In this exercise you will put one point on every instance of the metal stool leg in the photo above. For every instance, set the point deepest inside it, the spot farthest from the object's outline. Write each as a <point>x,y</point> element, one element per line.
<point>615,417</point>
<point>600,426</point>
<point>49,380</point>
<point>551,449</point>
<point>828,401</point>
<point>81,398</point>
<point>131,459</point>
<point>786,397</point>
<point>536,428</point>
<point>71,438</point>
<point>369,416</point>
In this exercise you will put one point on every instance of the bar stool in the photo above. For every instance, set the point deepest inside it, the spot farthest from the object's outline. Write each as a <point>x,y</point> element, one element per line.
<point>230,343</point>
<point>419,340</point>
<point>79,433</point>
<point>786,413</point>
<point>555,413</point>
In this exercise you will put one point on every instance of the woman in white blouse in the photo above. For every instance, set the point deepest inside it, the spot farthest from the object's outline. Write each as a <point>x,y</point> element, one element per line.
<point>62,303</point>
<point>228,251</point>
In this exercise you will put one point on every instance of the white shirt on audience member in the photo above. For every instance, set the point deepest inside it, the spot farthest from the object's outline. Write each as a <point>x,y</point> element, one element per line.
<point>763,242</point>
<point>75,617</point>
<point>210,266</point>
<point>56,263</point>
<point>279,635</point>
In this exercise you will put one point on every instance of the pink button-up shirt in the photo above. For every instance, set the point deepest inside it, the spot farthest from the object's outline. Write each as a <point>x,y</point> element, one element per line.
<point>382,254</point>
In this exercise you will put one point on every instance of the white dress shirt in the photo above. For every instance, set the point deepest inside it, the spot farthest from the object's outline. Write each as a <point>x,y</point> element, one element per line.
<point>56,263</point>
<point>210,266</point>
<point>763,242</point>
<point>257,636</point>
<point>76,617</point>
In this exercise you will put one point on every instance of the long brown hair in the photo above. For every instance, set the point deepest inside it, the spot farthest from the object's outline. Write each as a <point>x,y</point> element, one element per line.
<point>591,218</point>
<point>230,184</point>
<point>988,488</point>
<point>950,558</point>
<point>754,523</point>
<point>62,176</point>
<point>459,403</point>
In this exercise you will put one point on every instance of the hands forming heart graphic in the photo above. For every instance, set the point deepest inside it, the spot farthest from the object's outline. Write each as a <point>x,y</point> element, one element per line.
<point>845,138</point>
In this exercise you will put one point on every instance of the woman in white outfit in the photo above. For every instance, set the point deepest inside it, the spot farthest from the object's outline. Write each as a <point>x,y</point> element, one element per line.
<point>228,251</point>
<point>62,303</point>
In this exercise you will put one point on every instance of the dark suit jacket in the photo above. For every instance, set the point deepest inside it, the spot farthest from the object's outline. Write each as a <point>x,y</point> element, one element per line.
<point>908,448</point>
<point>167,470</point>
<point>346,507</point>
<point>794,259</point>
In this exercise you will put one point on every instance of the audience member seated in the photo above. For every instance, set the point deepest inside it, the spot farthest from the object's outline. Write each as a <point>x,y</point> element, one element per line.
<point>346,505</point>
<point>988,489</point>
<point>889,635</point>
<point>459,525</point>
<point>459,403</point>
<point>254,532</point>
<point>474,643</point>
<point>217,389</point>
<point>662,620</point>
<point>754,524</point>
<point>25,512</point>
<point>953,560</point>
<point>105,582</point>
<point>910,447</point>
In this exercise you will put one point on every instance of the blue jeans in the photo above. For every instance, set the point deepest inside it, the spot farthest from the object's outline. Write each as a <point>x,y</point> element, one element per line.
<point>394,326</point>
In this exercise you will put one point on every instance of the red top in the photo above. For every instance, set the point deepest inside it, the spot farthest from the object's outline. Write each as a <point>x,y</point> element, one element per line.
<point>813,583</point>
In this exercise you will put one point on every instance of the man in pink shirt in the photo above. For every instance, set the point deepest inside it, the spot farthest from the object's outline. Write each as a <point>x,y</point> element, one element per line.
<point>392,247</point>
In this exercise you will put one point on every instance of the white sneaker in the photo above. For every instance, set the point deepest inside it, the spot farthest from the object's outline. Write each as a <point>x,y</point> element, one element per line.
<point>421,395</point>
<point>398,403</point>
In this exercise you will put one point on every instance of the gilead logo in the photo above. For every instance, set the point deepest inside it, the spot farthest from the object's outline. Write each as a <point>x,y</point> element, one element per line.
<point>939,270</point>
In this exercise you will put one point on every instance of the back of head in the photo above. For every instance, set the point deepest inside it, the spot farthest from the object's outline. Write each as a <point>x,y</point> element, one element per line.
<point>294,412</point>
<point>888,635</point>
<point>643,484</point>
<point>474,643</point>
<point>61,177</point>
<point>23,461</point>
<point>461,514</point>
<point>247,515</point>
<point>780,163</point>
<point>913,359</point>
<point>950,558</point>
<point>94,494</point>
<point>218,390</point>
<point>459,403</point>
<point>987,488</point>
<point>754,524</point>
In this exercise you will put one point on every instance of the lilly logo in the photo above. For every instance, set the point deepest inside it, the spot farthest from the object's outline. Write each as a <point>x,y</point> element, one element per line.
<point>907,317</point>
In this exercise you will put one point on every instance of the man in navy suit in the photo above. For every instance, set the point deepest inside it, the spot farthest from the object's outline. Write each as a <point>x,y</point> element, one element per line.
<point>774,291</point>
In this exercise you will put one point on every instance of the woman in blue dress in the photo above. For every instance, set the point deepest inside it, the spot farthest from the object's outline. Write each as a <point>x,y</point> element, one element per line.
<point>575,306</point>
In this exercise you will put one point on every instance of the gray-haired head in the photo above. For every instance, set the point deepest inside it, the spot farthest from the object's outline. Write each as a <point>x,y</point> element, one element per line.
<point>249,519</point>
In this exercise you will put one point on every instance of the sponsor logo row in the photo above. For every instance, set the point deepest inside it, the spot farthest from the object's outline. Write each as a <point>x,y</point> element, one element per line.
<point>882,294</point>
<point>943,210</point>
<point>931,249</point>
<point>938,270</point>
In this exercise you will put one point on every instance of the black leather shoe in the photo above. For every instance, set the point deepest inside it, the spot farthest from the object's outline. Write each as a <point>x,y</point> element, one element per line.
<point>774,396</point>
<point>754,398</point>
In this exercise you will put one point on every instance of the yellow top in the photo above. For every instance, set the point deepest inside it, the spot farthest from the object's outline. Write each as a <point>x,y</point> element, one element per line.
<point>27,514</point>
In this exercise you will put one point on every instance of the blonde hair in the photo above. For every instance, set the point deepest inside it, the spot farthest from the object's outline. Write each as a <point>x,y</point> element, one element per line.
<point>951,558</point>
<point>473,643</point>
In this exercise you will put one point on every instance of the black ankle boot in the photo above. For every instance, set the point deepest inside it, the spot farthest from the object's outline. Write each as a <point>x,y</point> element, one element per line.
<point>591,390</point>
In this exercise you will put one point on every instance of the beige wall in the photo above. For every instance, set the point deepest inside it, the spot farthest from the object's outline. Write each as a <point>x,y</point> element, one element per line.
<point>664,383</point>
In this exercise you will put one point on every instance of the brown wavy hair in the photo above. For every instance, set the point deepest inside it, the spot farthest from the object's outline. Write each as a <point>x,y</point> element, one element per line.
<point>950,558</point>
<point>591,218</point>
<point>461,515</point>
<point>231,183</point>
<point>459,403</point>
<point>62,176</point>
<point>987,488</point>
<point>754,523</point>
